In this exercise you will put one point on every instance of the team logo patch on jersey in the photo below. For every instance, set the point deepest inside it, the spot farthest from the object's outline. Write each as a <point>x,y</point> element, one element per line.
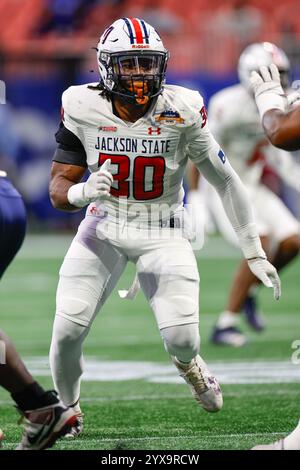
<point>222,156</point>
<point>170,117</point>
<point>107,128</point>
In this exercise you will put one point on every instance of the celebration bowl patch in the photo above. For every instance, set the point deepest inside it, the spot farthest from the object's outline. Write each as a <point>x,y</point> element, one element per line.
<point>170,117</point>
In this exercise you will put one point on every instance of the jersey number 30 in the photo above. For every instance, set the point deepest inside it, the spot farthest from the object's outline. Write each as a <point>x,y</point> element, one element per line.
<point>155,164</point>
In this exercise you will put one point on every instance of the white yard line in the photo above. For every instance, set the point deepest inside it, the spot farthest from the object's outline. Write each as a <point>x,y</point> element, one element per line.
<point>174,396</point>
<point>247,372</point>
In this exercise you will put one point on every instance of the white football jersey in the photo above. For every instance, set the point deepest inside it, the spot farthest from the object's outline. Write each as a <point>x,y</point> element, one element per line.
<point>149,156</point>
<point>235,122</point>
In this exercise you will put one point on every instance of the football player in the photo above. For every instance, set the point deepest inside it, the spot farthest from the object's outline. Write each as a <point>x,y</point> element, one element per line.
<point>46,418</point>
<point>280,116</point>
<point>234,120</point>
<point>134,134</point>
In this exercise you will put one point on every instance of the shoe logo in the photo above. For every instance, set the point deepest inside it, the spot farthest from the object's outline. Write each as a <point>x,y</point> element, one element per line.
<point>46,428</point>
<point>216,386</point>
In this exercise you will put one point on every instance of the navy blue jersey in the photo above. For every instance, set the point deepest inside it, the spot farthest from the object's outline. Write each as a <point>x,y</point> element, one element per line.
<point>12,223</point>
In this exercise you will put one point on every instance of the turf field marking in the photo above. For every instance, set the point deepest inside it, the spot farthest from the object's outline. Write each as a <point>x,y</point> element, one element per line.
<point>65,442</point>
<point>175,396</point>
<point>33,282</point>
<point>254,372</point>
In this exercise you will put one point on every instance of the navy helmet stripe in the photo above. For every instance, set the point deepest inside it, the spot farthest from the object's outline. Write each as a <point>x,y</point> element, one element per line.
<point>145,31</point>
<point>129,30</point>
<point>106,33</point>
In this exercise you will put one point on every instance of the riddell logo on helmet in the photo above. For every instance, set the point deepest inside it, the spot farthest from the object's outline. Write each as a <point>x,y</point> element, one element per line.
<point>140,46</point>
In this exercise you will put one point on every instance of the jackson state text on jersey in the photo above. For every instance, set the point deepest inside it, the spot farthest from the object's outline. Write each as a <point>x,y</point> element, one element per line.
<point>149,156</point>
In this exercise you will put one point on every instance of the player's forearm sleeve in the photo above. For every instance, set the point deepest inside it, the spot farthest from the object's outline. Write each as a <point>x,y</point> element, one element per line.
<point>217,170</point>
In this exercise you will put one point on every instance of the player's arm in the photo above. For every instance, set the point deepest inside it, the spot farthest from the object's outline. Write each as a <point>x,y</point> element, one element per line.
<point>68,168</point>
<point>193,177</point>
<point>63,176</point>
<point>281,124</point>
<point>283,129</point>
<point>214,166</point>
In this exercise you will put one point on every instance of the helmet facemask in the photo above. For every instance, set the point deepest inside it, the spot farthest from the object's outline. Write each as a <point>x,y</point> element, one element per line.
<point>136,75</point>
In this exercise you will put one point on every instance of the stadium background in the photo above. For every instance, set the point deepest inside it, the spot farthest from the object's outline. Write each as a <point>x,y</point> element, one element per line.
<point>45,46</point>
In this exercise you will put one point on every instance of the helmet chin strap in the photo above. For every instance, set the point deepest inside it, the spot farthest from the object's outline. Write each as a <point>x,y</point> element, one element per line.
<point>134,93</point>
<point>129,99</point>
<point>138,97</point>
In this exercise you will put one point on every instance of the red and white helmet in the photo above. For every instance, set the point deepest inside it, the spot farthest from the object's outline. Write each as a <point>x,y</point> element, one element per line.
<point>258,54</point>
<point>131,49</point>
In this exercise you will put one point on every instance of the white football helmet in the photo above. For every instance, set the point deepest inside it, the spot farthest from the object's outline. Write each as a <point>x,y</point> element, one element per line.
<point>263,53</point>
<point>131,50</point>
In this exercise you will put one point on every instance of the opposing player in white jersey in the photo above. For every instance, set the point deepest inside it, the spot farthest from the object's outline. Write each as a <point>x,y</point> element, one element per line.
<point>134,135</point>
<point>280,116</point>
<point>235,123</point>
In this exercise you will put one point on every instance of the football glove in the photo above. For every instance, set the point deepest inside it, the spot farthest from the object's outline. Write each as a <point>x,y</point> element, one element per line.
<point>267,89</point>
<point>266,273</point>
<point>97,187</point>
<point>293,99</point>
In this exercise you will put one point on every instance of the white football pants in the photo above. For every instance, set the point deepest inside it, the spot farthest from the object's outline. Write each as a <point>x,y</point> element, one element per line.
<point>97,257</point>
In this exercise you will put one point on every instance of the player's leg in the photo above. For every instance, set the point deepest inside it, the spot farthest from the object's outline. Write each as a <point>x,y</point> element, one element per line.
<point>12,223</point>
<point>290,442</point>
<point>283,227</point>
<point>170,280</point>
<point>86,280</point>
<point>33,402</point>
<point>226,330</point>
<point>46,418</point>
<point>284,234</point>
<point>273,218</point>
<point>288,250</point>
<point>88,274</point>
<point>13,374</point>
<point>182,341</point>
<point>242,280</point>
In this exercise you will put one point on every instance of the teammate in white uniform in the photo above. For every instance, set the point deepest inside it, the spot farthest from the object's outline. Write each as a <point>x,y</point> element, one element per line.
<point>235,123</point>
<point>134,135</point>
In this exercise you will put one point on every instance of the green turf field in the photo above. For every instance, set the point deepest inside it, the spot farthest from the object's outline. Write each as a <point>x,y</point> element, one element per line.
<point>131,398</point>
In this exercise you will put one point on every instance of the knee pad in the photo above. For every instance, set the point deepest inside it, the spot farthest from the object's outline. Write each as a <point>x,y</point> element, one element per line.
<point>79,309</point>
<point>182,341</point>
<point>66,332</point>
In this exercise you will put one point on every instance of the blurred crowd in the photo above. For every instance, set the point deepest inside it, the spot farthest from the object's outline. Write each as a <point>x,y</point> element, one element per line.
<point>46,45</point>
<point>205,34</point>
